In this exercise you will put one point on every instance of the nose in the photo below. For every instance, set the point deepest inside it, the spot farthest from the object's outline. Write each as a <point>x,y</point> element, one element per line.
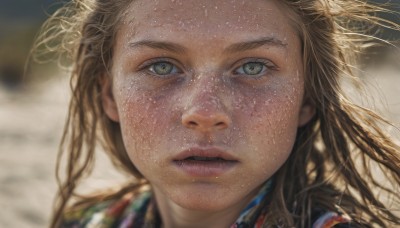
<point>206,121</point>
<point>206,112</point>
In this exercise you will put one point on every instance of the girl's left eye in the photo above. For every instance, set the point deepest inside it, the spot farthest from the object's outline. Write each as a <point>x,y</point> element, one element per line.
<point>163,68</point>
<point>252,68</point>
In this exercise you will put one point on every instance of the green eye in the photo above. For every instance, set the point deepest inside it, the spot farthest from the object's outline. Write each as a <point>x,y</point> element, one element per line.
<point>252,68</point>
<point>163,68</point>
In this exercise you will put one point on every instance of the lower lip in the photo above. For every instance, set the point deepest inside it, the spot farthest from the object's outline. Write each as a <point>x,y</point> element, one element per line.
<point>205,168</point>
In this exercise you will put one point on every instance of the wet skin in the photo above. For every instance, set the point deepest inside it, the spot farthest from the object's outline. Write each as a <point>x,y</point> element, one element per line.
<point>210,79</point>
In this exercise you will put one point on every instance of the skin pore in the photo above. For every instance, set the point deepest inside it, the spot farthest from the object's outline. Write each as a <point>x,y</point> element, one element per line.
<point>223,77</point>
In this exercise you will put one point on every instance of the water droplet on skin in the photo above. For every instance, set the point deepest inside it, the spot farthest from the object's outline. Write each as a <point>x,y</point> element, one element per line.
<point>274,157</point>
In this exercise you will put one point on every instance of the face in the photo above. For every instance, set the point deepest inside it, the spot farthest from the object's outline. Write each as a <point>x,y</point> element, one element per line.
<point>209,96</point>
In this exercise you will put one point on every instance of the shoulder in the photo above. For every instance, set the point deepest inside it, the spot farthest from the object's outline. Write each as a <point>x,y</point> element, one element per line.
<point>105,213</point>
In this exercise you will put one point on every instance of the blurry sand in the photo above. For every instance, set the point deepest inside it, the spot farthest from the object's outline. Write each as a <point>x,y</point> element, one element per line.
<point>31,125</point>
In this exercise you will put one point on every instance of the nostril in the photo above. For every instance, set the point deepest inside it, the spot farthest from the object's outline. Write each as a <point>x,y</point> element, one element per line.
<point>193,124</point>
<point>221,125</point>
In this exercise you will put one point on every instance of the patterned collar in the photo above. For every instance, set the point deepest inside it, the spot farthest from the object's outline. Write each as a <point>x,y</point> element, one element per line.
<point>140,210</point>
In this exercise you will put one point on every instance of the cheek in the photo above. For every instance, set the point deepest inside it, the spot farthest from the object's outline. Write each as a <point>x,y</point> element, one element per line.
<point>269,123</point>
<point>144,122</point>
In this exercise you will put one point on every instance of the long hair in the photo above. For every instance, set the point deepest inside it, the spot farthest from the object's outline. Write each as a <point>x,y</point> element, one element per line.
<point>331,164</point>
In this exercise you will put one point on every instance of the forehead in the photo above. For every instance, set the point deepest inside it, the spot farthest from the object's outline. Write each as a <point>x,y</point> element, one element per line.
<point>200,18</point>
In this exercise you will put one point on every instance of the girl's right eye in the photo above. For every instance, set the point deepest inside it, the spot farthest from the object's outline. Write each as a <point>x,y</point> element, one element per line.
<point>163,68</point>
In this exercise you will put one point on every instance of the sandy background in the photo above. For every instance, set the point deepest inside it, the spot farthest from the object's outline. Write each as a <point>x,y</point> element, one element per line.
<point>31,123</point>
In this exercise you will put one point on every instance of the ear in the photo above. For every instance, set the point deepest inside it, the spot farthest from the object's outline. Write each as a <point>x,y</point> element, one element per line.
<point>307,112</point>
<point>107,98</point>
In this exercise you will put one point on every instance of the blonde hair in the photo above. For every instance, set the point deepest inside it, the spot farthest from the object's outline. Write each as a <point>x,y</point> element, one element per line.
<point>322,170</point>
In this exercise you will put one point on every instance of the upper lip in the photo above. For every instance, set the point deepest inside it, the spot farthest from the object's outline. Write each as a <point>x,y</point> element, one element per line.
<point>209,152</point>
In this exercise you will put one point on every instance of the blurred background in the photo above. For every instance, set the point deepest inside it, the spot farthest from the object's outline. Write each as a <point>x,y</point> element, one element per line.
<point>33,108</point>
<point>32,112</point>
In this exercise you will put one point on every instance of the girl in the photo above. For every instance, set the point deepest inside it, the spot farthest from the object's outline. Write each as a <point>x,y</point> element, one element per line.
<point>227,113</point>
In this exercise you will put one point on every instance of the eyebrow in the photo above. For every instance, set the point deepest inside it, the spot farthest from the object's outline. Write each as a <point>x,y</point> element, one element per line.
<point>168,46</point>
<point>253,44</point>
<point>237,47</point>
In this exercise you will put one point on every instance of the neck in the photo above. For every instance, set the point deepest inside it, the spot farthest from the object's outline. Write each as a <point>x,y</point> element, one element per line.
<point>175,216</point>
